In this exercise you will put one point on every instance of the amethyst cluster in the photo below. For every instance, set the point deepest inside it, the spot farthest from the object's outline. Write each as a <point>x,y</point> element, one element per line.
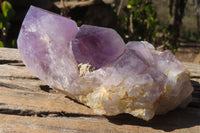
<point>94,66</point>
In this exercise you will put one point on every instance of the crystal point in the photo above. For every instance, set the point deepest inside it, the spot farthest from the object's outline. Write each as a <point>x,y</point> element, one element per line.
<point>97,46</point>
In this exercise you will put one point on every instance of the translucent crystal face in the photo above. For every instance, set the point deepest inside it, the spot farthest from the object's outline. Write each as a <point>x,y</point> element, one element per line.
<point>93,65</point>
<point>97,46</point>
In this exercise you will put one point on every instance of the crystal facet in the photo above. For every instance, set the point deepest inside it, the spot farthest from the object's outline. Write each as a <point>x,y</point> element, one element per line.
<point>97,46</point>
<point>93,65</point>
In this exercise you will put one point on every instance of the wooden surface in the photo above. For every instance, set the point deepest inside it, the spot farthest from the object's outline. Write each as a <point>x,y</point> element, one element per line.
<point>28,105</point>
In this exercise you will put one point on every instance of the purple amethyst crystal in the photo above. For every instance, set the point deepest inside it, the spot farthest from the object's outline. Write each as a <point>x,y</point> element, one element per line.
<point>97,46</point>
<point>93,65</point>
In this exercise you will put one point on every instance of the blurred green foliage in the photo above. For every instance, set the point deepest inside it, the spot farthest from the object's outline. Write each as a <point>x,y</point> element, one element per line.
<point>6,15</point>
<point>140,20</point>
<point>140,23</point>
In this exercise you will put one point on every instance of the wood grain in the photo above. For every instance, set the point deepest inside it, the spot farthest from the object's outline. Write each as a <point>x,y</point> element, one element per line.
<point>193,68</point>
<point>172,122</point>
<point>28,105</point>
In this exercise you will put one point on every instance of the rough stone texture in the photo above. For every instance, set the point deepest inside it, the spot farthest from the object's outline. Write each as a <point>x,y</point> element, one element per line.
<point>134,79</point>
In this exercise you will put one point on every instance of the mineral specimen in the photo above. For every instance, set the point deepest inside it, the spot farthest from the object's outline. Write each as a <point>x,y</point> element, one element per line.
<point>94,66</point>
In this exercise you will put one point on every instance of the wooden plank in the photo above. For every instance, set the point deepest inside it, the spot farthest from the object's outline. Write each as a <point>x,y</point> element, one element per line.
<point>14,71</point>
<point>28,105</point>
<point>177,121</point>
<point>14,99</point>
<point>17,84</point>
<point>193,68</point>
<point>9,54</point>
